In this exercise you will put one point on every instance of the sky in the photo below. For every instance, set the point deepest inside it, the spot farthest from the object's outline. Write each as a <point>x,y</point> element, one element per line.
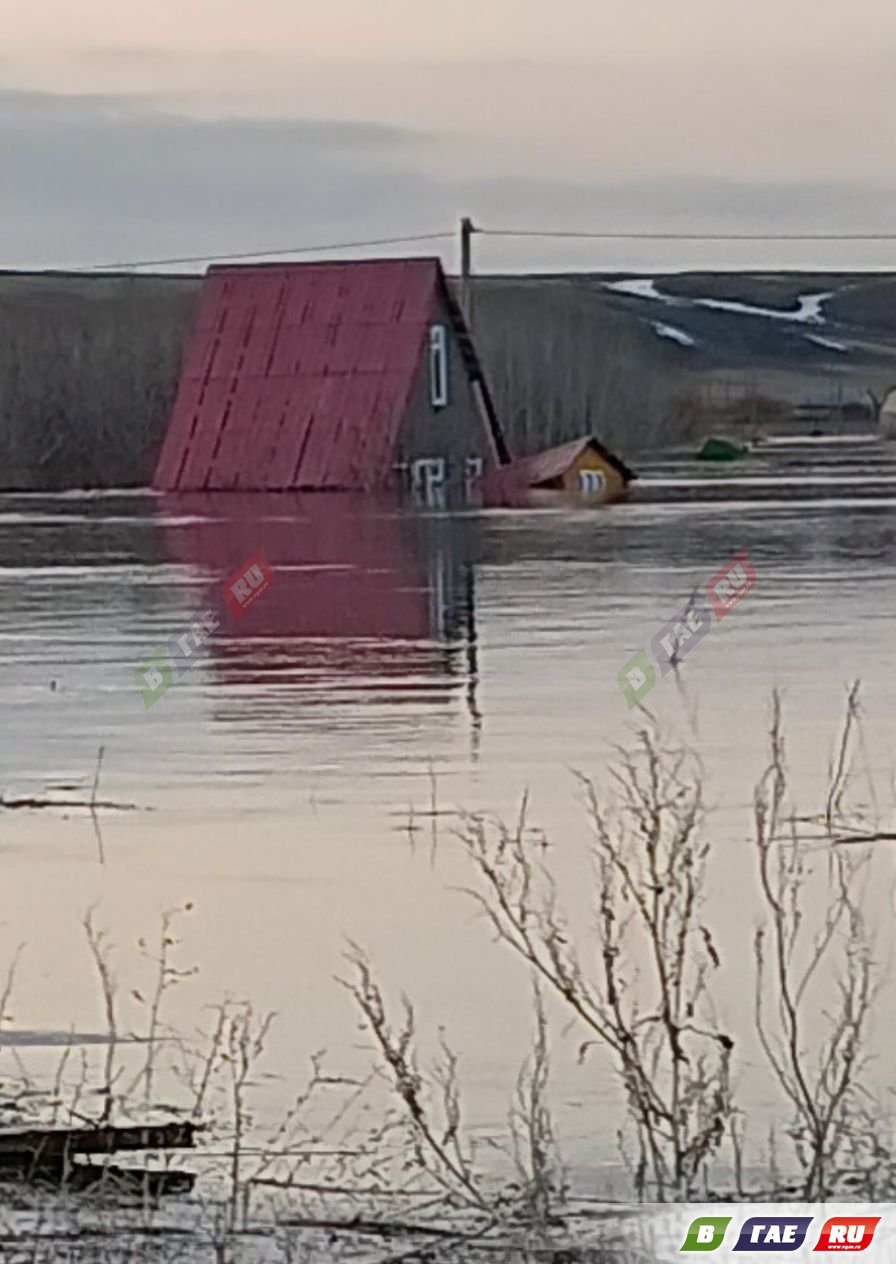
<point>141,131</point>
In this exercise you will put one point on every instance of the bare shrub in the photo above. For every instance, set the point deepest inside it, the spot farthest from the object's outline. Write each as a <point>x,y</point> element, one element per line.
<point>650,868</point>
<point>88,373</point>
<point>697,411</point>
<point>167,976</point>
<point>562,364</point>
<point>542,1189</point>
<point>436,1145</point>
<point>815,977</point>
<point>99,949</point>
<point>438,1159</point>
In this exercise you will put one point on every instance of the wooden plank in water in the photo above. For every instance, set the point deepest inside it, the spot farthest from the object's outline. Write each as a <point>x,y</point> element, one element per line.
<point>49,1147</point>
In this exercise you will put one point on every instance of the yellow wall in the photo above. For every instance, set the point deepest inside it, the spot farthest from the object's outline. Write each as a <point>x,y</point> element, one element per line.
<point>591,460</point>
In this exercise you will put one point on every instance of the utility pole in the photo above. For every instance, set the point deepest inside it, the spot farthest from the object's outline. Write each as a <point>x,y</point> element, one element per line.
<point>467,229</point>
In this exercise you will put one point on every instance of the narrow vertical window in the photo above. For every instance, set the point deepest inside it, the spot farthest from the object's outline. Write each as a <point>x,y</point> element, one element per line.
<point>438,366</point>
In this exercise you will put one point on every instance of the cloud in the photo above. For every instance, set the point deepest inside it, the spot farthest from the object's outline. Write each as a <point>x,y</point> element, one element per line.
<point>97,55</point>
<point>87,113</point>
<point>84,176</point>
<point>705,204</point>
<point>103,178</point>
<point>18,106</point>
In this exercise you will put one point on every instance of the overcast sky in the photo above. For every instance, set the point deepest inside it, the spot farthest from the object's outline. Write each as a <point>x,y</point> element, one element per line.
<point>136,130</point>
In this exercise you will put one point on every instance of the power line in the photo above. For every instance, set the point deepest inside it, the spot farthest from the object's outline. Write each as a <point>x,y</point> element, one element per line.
<point>507,233</point>
<point>127,265</point>
<point>666,236</point>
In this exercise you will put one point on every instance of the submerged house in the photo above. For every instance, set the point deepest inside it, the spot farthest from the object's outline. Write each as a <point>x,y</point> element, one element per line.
<point>330,376</point>
<point>583,468</point>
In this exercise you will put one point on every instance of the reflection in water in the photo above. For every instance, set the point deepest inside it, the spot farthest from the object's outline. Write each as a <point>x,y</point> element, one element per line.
<point>364,594</point>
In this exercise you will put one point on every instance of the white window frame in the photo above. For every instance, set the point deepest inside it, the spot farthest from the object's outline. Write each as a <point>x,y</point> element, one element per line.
<point>428,476</point>
<point>438,366</point>
<point>591,482</point>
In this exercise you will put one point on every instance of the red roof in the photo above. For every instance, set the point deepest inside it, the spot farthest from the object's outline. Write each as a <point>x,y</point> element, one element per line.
<point>299,375</point>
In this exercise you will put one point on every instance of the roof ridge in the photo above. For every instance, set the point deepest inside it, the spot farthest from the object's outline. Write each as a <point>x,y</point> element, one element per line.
<point>282,265</point>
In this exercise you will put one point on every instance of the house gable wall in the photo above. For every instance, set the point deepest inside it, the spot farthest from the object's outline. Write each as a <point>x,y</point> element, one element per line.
<point>591,460</point>
<point>453,433</point>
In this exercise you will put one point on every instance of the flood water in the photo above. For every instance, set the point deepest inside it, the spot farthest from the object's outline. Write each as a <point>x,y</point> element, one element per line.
<point>299,786</point>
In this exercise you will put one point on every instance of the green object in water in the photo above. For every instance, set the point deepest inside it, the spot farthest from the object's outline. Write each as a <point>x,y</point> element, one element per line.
<point>722,450</point>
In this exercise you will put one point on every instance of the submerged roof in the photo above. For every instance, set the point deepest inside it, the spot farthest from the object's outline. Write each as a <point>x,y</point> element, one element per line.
<point>545,467</point>
<point>300,375</point>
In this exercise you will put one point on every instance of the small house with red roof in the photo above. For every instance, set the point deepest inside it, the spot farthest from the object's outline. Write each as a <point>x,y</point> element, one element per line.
<point>349,376</point>
<point>583,468</point>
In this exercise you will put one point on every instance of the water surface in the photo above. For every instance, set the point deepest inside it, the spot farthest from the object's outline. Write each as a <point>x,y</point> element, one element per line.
<point>298,787</point>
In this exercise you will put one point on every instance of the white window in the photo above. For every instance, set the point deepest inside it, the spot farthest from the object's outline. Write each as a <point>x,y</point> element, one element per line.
<point>428,479</point>
<point>472,468</point>
<point>591,481</point>
<point>438,366</point>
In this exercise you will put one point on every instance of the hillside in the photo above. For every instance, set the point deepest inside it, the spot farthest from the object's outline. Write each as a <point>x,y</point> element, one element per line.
<point>801,337</point>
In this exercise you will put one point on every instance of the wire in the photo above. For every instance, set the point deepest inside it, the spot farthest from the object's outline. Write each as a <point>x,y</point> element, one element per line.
<point>127,265</point>
<point>569,235</point>
<point>658,236</point>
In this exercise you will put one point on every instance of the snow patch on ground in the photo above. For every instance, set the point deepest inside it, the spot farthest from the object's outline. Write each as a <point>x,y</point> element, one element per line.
<point>673,334</point>
<point>828,343</point>
<point>810,309</point>
<point>814,441</point>
<point>639,287</point>
<point>809,312</point>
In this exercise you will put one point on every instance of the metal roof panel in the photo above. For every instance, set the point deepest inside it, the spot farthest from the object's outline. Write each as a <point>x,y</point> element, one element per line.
<point>299,375</point>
